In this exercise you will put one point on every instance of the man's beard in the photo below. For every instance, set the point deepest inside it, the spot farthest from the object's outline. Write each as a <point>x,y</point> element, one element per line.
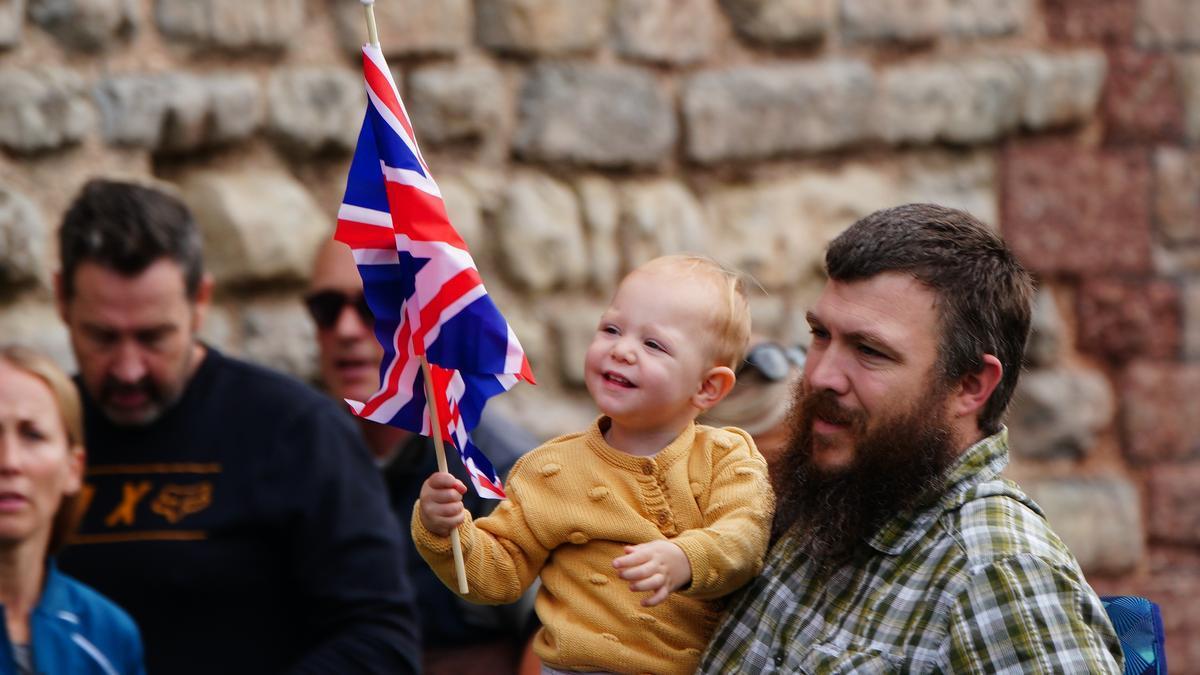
<point>898,463</point>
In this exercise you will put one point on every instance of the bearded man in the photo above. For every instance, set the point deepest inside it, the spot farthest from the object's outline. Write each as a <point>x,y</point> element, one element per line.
<point>898,547</point>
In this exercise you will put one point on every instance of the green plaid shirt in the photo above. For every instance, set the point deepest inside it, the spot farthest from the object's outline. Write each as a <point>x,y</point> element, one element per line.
<point>977,583</point>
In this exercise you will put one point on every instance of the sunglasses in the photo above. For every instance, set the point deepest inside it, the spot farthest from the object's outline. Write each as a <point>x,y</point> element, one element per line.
<point>772,361</point>
<point>325,307</point>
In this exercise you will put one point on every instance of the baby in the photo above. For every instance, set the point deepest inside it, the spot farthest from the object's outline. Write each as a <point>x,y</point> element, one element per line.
<point>644,498</point>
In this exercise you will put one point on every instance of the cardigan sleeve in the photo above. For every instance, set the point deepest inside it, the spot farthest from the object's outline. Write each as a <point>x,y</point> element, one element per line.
<point>502,552</point>
<point>728,551</point>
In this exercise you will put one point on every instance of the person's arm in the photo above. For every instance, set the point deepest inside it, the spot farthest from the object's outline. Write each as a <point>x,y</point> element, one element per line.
<point>728,551</point>
<point>1025,614</point>
<point>343,550</point>
<point>502,553</point>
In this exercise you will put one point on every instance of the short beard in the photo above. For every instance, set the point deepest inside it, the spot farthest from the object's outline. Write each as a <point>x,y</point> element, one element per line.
<point>899,463</point>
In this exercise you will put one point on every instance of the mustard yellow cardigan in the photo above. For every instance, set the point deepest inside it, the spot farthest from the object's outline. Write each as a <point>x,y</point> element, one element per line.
<point>575,502</point>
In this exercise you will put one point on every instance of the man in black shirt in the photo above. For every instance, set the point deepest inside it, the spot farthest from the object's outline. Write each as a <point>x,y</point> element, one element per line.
<point>234,512</point>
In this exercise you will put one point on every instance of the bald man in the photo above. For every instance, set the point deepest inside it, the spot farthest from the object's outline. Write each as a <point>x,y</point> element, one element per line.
<point>459,637</point>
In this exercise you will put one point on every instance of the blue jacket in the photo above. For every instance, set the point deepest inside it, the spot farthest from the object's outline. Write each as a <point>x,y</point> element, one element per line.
<point>78,631</point>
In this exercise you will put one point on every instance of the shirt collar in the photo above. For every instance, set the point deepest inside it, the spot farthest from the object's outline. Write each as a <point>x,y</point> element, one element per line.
<point>980,463</point>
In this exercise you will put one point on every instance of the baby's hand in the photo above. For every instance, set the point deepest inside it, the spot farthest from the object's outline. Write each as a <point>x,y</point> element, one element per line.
<point>658,566</point>
<point>441,503</point>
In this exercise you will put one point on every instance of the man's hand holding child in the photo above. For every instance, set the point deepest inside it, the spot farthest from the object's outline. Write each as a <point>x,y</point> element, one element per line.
<point>441,503</point>
<point>658,566</point>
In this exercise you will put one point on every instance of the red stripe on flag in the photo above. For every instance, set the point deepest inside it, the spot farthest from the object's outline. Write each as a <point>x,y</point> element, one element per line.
<point>379,84</point>
<point>424,215</point>
<point>400,342</point>
<point>362,235</point>
<point>454,288</point>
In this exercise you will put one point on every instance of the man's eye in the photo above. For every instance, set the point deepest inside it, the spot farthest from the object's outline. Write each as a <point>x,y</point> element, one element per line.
<point>819,333</point>
<point>868,351</point>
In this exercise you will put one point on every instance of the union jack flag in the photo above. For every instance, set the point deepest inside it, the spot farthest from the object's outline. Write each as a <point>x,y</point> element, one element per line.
<point>422,286</point>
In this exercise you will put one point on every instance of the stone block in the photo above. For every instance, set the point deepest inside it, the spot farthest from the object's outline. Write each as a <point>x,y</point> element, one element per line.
<point>43,108</point>
<point>1142,99</point>
<point>178,112</point>
<point>1090,21</point>
<point>1071,210</point>
<point>12,17</point>
<point>541,27</point>
<point>407,27</point>
<point>86,25</point>
<point>970,102</point>
<point>665,31</point>
<point>899,21</point>
<point>1170,24</point>
<point>658,217</point>
<point>600,204</point>
<point>1191,320</point>
<point>450,102</point>
<point>1058,413</point>
<point>599,115</point>
<point>232,25</point>
<point>278,333</point>
<point>541,234</point>
<point>1045,347</point>
<point>1174,508</point>
<point>221,328</point>
<point>573,330</point>
<point>23,240</point>
<point>463,208</point>
<point>1177,195</point>
<point>34,322</point>
<point>780,22</point>
<point>760,112</point>
<point>1160,412</point>
<point>315,110</point>
<point>1121,319</point>
<point>1060,89</point>
<point>986,18</point>
<point>1188,75</point>
<point>1099,519</point>
<point>258,226</point>
<point>960,180</point>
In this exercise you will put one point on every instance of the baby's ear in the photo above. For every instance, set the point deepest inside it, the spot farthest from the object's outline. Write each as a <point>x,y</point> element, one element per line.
<point>715,385</point>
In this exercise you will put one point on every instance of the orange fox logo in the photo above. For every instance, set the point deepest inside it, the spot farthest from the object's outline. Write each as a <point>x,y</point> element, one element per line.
<point>174,502</point>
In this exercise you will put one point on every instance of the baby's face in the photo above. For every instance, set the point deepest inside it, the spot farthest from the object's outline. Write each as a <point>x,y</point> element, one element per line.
<point>650,352</point>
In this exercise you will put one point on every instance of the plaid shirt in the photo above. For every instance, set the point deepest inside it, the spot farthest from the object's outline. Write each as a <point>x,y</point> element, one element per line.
<point>975,583</point>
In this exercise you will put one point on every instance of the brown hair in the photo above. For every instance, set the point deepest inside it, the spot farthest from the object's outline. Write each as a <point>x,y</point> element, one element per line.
<point>70,411</point>
<point>983,295</point>
<point>731,329</point>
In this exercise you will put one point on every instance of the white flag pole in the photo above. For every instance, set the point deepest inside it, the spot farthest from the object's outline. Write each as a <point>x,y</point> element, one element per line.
<point>372,31</point>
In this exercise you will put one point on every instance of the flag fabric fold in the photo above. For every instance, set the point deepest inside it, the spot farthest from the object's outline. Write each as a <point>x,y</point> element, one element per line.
<point>422,286</point>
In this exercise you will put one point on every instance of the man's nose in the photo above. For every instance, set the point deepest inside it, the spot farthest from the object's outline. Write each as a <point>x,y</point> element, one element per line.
<point>824,370</point>
<point>130,364</point>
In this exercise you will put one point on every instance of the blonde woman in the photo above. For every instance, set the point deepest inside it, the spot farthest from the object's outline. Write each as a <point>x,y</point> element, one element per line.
<point>52,623</point>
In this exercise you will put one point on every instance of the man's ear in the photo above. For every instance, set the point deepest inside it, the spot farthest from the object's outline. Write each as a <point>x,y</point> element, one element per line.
<point>974,389</point>
<point>202,302</point>
<point>716,385</point>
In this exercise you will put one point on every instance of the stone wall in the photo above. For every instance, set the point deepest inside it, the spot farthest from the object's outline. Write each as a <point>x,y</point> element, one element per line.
<point>575,138</point>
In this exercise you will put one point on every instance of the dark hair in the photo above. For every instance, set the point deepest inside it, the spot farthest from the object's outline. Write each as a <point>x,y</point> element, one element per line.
<point>983,294</point>
<point>127,228</point>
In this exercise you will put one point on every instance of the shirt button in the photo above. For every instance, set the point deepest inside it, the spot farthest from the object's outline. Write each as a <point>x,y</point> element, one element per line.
<point>648,469</point>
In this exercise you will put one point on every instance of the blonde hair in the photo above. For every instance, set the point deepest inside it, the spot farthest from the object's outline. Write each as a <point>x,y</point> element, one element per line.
<point>70,412</point>
<point>731,315</point>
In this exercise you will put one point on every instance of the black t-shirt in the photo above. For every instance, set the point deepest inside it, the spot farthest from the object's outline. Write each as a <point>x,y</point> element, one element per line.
<point>246,530</point>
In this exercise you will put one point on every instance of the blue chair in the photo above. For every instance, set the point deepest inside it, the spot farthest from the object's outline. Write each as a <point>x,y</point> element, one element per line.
<point>1140,630</point>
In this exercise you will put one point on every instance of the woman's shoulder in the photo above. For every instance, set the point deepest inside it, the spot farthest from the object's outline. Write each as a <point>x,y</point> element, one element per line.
<point>77,603</point>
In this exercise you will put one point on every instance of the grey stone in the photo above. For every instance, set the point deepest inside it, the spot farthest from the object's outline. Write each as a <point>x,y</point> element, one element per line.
<point>600,203</point>
<point>904,21</point>
<point>87,25</point>
<point>1191,320</point>
<point>780,22</point>
<point>541,26</point>
<point>233,25</point>
<point>1168,23</point>
<point>407,27</point>
<point>665,31</point>
<point>967,102</point>
<point>12,16</point>
<point>1177,195</point>
<point>178,112</point>
<point>986,18</point>
<point>23,238</point>
<point>1057,413</point>
<point>541,235</point>
<point>43,108</point>
<point>759,112</point>
<point>1046,339</point>
<point>258,226</point>
<point>462,206</point>
<point>1060,89</point>
<point>956,179</point>
<point>315,110</point>
<point>34,322</point>
<point>278,333</point>
<point>1099,519</point>
<point>1188,68</point>
<point>659,217</point>
<point>221,328</point>
<point>449,102</point>
<point>573,329</point>
<point>606,116</point>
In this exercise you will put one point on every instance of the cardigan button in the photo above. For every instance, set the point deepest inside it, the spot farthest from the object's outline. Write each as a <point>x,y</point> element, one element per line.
<point>662,517</point>
<point>648,469</point>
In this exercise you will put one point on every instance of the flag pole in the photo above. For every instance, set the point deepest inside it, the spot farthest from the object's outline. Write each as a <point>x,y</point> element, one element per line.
<point>431,403</point>
<point>372,31</point>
